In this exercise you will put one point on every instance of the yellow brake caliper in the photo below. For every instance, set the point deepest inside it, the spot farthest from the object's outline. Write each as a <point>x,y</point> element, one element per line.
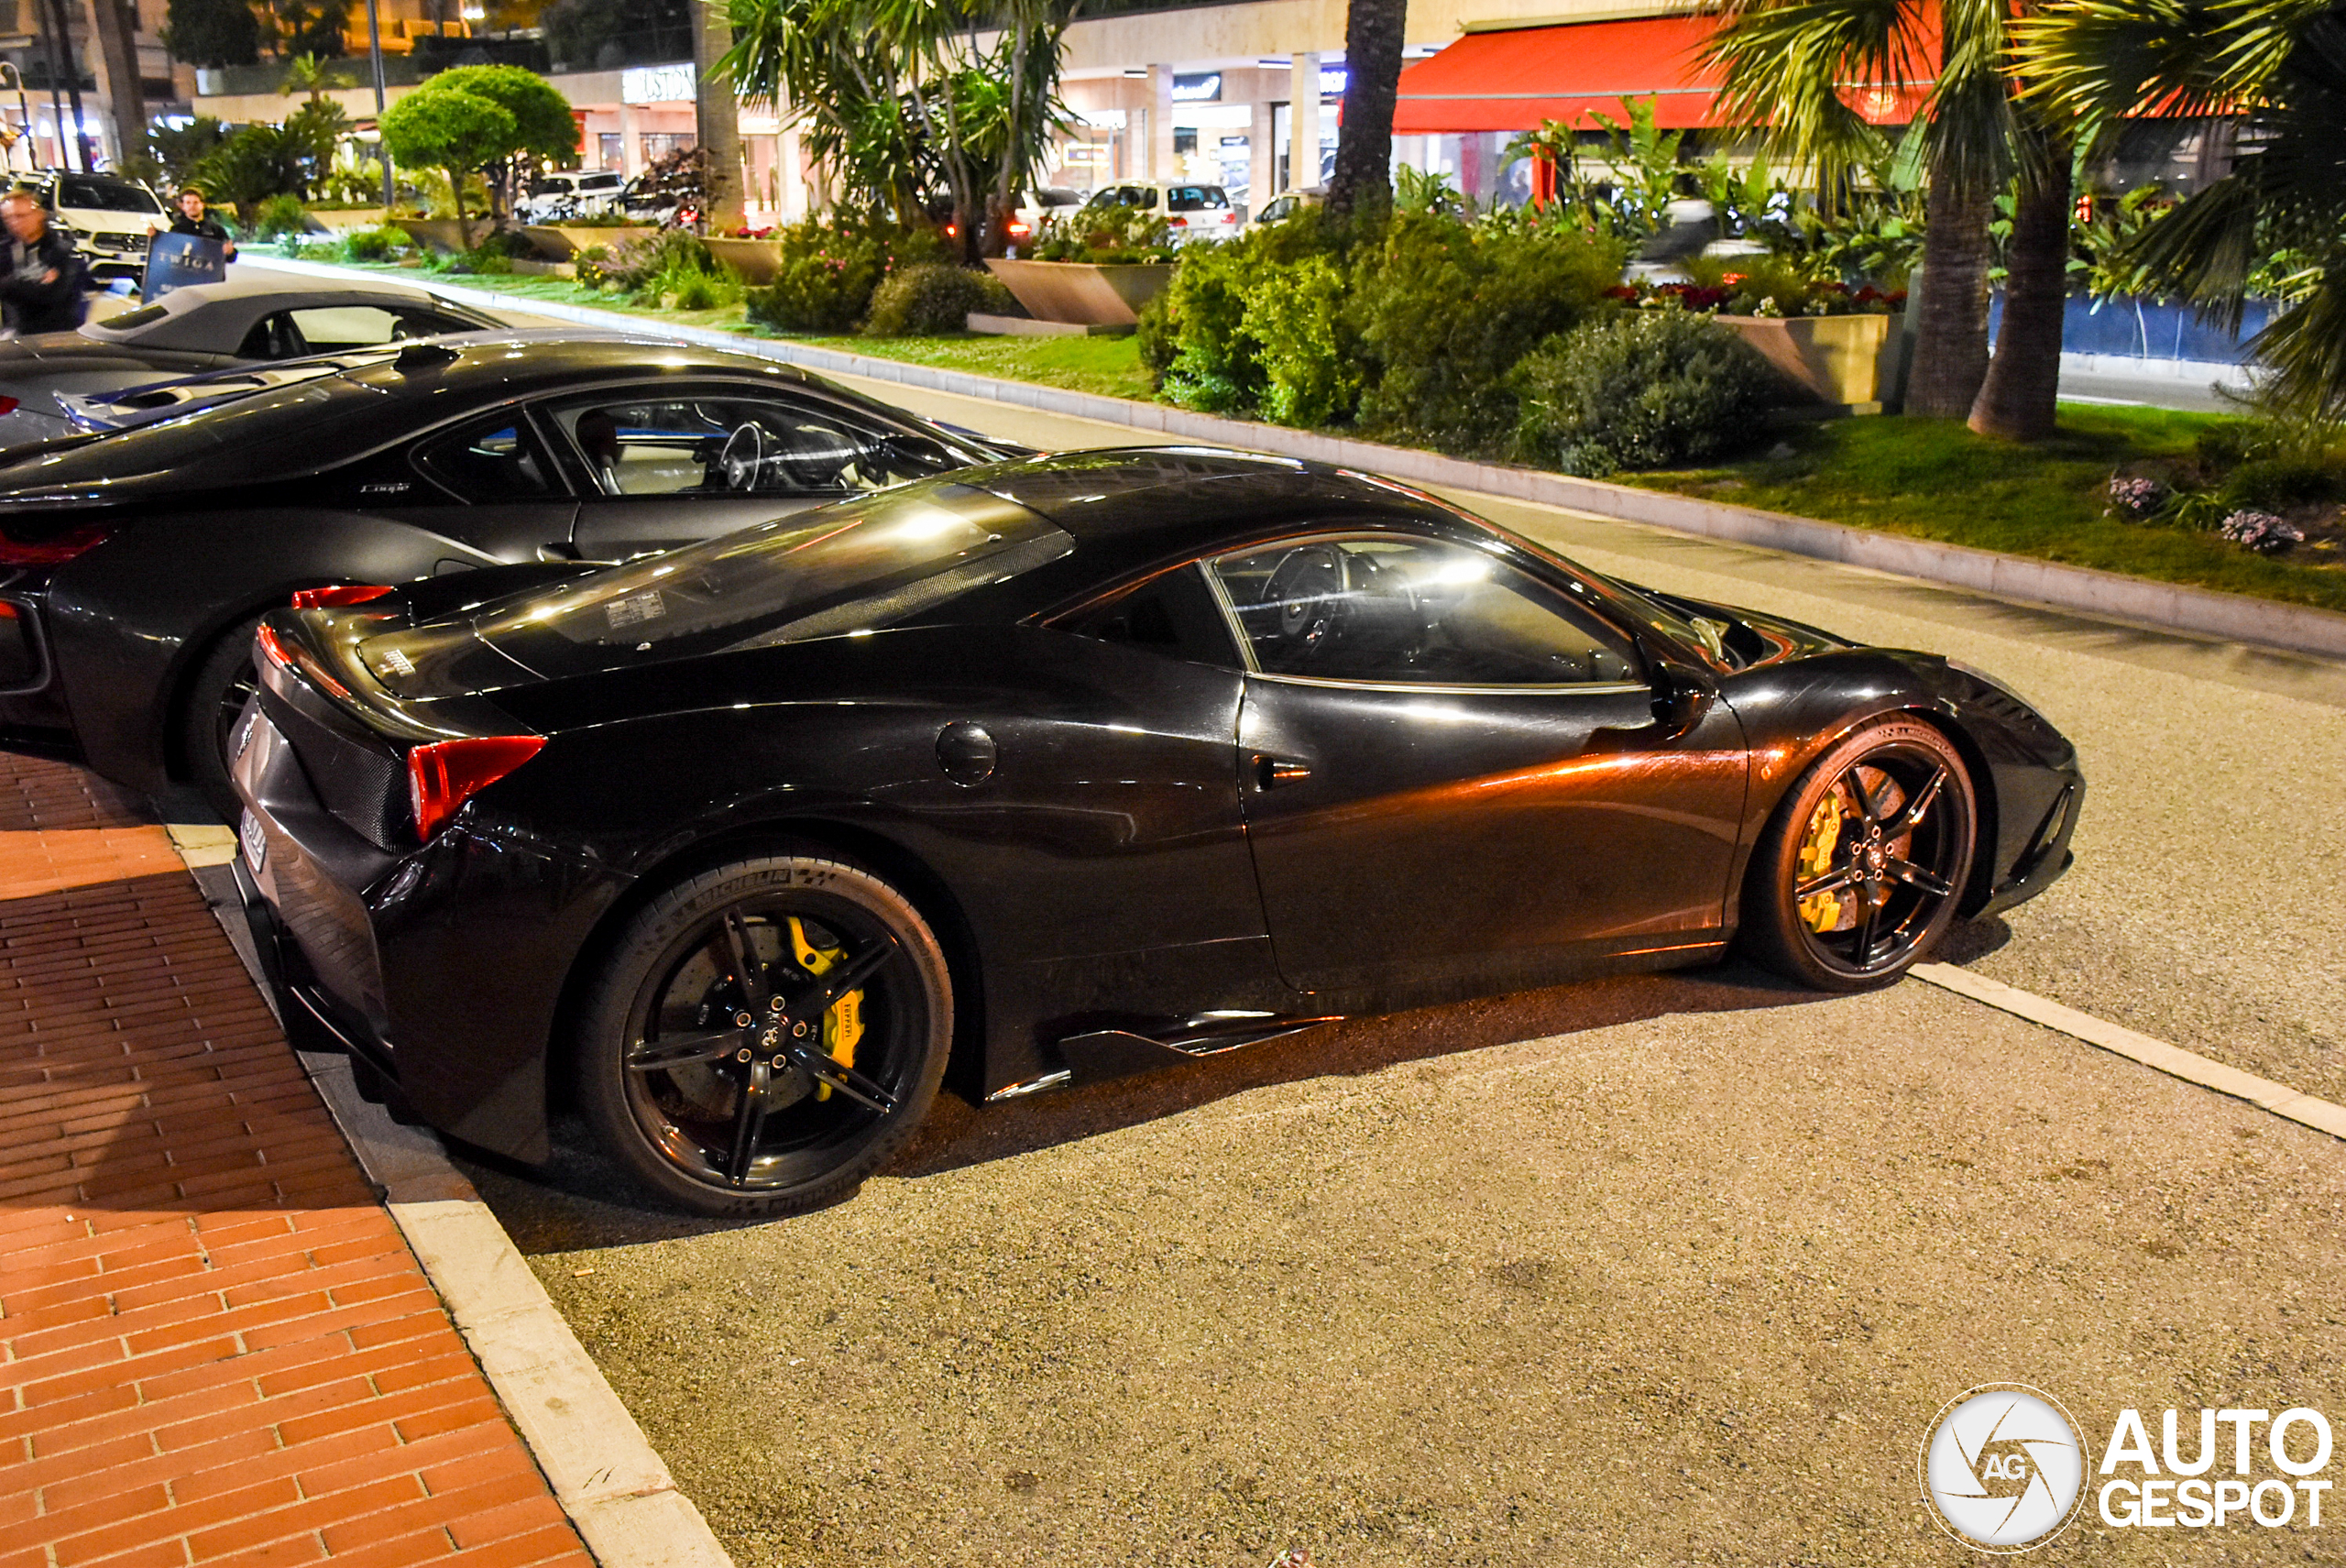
<point>843,1024</point>
<point>1821,912</point>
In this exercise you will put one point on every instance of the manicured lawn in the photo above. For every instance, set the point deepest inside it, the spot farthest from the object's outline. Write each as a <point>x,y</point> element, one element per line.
<point>1934,479</point>
<point>1930,479</point>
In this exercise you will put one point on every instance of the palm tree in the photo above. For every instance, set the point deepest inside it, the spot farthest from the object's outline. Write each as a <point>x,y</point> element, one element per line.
<point>1801,69</point>
<point>716,119</point>
<point>2280,68</point>
<point>1372,38</point>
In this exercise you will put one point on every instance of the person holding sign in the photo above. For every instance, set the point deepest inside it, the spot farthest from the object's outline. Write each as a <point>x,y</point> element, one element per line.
<point>192,219</point>
<point>40,273</point>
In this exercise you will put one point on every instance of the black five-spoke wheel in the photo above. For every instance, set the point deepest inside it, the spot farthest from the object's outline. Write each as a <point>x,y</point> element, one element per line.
<point>767,1035</point>
<point>1864,864</point>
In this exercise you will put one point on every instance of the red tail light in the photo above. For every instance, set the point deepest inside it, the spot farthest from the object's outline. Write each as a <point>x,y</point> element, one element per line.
<point>1016,229</point>
<point>8,405</point>
<point>338,595</point>
<point>273,650</point>
<point>445,774</point>
<point>54,551</point>
<point>1176,223</point>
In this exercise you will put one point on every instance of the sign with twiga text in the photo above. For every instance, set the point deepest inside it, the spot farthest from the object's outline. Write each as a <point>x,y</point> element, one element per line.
<point>181,261</point>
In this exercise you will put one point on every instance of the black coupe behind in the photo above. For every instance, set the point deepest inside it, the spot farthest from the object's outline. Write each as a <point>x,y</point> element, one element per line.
<point>1066,768</point>
<point>135,564</point>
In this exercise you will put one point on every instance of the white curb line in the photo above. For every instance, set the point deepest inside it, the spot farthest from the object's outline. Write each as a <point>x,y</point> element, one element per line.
<point>604,1473</point>
<point>2167,607</point>
<point>2174,1060</point>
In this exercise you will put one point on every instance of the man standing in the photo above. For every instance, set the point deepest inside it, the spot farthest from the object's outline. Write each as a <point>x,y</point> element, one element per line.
<point>192,218</point>
<point>40,273</point>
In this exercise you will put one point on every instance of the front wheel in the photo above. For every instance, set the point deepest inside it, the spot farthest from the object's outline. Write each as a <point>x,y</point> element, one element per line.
<point>1860,871</point>
<point>765,1035</point>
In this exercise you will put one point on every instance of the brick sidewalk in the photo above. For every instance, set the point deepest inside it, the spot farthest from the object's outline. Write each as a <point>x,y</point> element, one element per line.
<point>214,1346</point>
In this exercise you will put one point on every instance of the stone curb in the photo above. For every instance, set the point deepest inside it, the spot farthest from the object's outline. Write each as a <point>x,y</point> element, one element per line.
<point>2299,629</point>
<point>605,1473</point>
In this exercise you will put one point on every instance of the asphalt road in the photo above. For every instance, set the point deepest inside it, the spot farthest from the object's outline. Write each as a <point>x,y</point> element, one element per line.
<point>1669,1270</point>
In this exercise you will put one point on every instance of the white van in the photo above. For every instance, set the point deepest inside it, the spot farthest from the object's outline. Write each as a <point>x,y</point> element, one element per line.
<point>571,193</point>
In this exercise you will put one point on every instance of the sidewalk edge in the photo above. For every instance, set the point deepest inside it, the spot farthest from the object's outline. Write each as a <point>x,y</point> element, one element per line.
<point>2170,607</point>
<point>604,1472</point>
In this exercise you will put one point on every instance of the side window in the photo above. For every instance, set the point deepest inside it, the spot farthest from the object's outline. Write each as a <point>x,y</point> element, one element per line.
<point>1173,613</point>
<point>1411,611</point>
<point>491,460</point>
<point>328,327</point>
<point>743,445</point>
<point>274,336</point>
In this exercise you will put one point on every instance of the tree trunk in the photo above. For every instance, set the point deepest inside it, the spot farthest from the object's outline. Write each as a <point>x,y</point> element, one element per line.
<point>119,72</point>
<point>1951,325</point>
<point>464,226</point>
<point>1364,174</point>
<point>719,113</point>
<point>2023,380</point>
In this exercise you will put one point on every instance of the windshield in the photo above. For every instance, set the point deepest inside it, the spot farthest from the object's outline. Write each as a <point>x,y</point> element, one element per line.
<point>109,195</point>
<point>848,568</point>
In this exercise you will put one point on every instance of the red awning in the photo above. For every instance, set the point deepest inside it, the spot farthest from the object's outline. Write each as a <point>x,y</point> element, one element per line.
<point>1513,80</point>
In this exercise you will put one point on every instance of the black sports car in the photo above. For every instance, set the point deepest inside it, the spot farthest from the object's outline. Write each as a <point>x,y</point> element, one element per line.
<point>135,564</point>
<point>1073,767</point>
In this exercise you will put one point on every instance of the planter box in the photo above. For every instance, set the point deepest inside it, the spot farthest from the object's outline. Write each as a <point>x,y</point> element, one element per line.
<point>441,233</point>
<point>341,220</point>
<point>755,260</point>
<point>563,242</point>
<point>1842,361</point>
<point>1079,291</point>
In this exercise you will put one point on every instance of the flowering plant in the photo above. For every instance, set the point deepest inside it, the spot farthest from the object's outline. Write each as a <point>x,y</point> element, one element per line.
<point>2261,531</point>
<point>2136,499</point>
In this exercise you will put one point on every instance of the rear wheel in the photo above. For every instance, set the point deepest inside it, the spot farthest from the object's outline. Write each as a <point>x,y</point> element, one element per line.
<point>216,698</point>
<point>767,1035</point>
<point>1859,873</point>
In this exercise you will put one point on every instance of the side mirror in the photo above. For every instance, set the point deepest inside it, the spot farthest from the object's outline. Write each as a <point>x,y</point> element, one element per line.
<point>1682,694</point>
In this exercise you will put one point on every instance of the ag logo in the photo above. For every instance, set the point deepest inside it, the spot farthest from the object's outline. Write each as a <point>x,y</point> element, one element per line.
<point>2003,1467</point>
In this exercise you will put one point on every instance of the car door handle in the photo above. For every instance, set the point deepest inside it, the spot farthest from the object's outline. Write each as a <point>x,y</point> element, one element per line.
<point>1269,771</point>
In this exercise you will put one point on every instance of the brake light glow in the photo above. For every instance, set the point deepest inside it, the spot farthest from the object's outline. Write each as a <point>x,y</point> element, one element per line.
<point>8,405</point>
<point>54,551</point>
<point>1018,229</point>
<point>445,774</point>
<point>334,595</point>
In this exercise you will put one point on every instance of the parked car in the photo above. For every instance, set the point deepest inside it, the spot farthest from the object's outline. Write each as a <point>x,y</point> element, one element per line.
<point>571,193</point>
<point>1282,207</point>
<point>1069,768</point>
<point>1193,212</point>
<point>134,564</point>
<point>107,216</point>
<point>1038,207</point>
<point>209,327</point>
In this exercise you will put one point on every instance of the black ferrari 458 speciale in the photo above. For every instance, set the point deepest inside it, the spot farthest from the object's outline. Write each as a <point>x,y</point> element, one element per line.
<point>1066,769</point>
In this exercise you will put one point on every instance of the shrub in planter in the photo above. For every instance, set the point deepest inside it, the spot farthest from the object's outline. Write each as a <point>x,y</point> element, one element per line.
<point>1295,321</point>
<point>373,245</point>
<point>1105,237</point>
<point>1199,317</point>
<point>280,215</point>
<point>1444,307</point>
<point>826,271</point>
<point>1647,390</point>
<point>933,298</point>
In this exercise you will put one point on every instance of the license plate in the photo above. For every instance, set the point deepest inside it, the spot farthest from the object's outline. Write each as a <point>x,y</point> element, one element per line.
<point>254,841</point>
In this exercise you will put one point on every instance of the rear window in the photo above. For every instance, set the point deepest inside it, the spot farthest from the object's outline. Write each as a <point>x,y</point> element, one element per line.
<point>853,567</point>
<point>1195,197</point>
<point>109,195</point>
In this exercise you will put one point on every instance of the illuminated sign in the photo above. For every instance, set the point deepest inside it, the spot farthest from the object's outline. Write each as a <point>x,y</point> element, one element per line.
<point>1331,81</point>
<point>656,84</point>
<point>1203,88</point>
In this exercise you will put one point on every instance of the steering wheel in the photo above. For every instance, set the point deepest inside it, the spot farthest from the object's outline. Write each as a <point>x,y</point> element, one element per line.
<point>1334,603</point>
<point>743,458</point>
<point>1306,587</point>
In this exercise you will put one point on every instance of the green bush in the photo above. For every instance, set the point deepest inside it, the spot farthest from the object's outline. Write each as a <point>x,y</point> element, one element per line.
<point>1444,307</point>
<point>2271,484</point>
<point>1105,237</point>
<point>373,245</point>
<point>1642,389</point>
<point>1201,317</point>
<point>1295,320</point>
<point>826,272</point>
<point>933,298</point>
<point>279,215</point>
